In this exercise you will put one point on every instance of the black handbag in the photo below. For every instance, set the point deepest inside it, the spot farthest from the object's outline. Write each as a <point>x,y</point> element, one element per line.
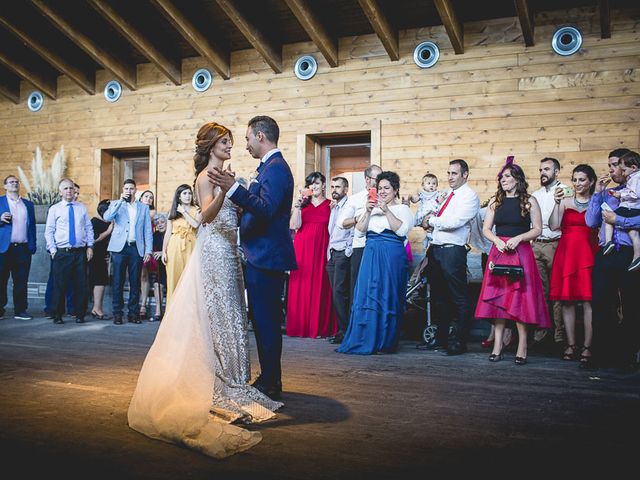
<point>512,271</point>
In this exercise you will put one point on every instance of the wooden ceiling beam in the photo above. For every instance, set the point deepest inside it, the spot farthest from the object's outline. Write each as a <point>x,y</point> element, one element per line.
<point>84,80</point>
<point>386,33</point>
<point>526,22</point>
<point>451,24</point>
<point>605,18</point>
<point>48,86</point>
<point>171,69</point>
<point>10,93</point>
<point>122,71</point>
<point>218,59</point>
<point>318,34</point>
<point>271,54</point>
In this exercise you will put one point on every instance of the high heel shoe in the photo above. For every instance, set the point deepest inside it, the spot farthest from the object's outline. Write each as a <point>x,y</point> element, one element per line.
<point>496,357</point>
<point>570,355</point>
<point>487,343</point>
<point>521,360</point>
<point>586,361</point>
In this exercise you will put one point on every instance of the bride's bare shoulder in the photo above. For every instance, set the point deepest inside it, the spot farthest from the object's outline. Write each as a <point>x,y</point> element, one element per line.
<point>202,182</point>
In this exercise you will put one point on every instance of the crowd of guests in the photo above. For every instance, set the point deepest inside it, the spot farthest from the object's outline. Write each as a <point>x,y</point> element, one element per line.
<point>127,241</point>
<point>545,269</point>
<point>547,256</point>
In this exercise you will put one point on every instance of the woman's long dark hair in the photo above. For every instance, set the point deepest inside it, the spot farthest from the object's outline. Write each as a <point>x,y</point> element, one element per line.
<point>206,138</point>
<point>153,202</point>
<point>589,172</point>
<point>521,189</point>
<point>174,213</point>
<point>310,180</point>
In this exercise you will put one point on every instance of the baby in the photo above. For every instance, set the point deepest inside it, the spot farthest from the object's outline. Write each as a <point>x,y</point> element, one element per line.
<point>429,199</point>
<point>629,197</point>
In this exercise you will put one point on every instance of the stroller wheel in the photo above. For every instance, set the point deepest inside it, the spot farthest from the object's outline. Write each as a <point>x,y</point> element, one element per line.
<point>429,334</point>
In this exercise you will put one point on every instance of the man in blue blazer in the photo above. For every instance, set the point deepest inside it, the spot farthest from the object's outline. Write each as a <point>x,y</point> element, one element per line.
<point>266,242</point>
<point>17,245</point>
<point>130,245</point>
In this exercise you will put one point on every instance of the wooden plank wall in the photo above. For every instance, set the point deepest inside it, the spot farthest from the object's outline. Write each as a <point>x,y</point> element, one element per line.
<point>496,99</point>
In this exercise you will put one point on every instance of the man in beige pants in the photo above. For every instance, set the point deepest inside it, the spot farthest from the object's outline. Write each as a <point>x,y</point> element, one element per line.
<point>544,247</point>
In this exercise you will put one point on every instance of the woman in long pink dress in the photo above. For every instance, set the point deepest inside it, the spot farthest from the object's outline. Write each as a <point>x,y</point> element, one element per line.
<point>517,220</point>
<point>309,309</point>
<point>574,259</point>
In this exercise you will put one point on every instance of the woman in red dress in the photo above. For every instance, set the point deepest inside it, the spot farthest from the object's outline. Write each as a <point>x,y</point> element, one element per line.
<point>574,258</point>
<point>309,309</point>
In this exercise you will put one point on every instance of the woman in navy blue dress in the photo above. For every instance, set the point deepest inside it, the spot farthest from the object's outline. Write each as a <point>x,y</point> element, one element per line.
<point>379,295</point>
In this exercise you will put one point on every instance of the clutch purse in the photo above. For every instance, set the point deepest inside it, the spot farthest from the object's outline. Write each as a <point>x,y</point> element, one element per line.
<point>512,271</point>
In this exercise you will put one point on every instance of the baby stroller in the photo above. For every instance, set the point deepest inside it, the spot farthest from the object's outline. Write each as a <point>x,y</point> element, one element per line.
<point>419,296</point>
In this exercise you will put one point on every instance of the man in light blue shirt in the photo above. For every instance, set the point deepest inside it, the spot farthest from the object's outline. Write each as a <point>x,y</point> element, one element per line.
<point>69,238</point>
<point>339,257</point>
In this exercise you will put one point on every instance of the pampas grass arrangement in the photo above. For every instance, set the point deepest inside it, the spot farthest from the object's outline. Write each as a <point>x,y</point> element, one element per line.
<point>43,188</point>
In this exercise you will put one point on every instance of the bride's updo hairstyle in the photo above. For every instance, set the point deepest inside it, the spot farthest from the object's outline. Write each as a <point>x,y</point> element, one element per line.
<point>207,137</point>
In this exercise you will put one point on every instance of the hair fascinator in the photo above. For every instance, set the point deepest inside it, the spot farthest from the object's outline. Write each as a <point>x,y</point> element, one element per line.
<point>508,164</point>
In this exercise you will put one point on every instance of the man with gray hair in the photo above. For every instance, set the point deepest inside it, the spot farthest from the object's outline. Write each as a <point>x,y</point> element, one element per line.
<point>352,210</point>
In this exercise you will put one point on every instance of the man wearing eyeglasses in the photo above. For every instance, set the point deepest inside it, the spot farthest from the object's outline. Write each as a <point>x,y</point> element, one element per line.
<point>17,245</point>
<point>351,211</point>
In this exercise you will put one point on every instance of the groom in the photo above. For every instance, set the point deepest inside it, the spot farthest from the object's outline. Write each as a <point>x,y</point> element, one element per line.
<point>266,242</point>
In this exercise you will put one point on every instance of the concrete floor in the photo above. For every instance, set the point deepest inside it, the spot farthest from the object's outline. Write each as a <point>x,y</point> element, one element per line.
<point>66,388</point>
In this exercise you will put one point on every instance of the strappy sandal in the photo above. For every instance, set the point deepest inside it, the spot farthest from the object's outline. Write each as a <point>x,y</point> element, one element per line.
<point>570,356</point>
<point>586,361</point>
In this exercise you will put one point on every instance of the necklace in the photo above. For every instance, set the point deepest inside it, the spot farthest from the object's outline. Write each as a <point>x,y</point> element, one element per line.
<point>580,204</point>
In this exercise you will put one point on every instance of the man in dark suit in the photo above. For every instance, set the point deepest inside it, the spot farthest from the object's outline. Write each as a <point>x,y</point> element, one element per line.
<point>17,245</point>
<point>266,242</point>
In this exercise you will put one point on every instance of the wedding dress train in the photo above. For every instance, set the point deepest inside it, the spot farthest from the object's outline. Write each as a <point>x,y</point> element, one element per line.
<point>194,380</point>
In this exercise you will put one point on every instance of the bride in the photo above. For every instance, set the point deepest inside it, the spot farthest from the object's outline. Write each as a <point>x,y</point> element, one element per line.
<point>194,381</point>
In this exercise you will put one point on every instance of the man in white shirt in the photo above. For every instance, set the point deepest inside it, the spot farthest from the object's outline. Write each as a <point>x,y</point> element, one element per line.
<point>130,245</point>
<point>544,247</point>
<point>447,255</point>
<point>339,258</point>
<point>351,212</point>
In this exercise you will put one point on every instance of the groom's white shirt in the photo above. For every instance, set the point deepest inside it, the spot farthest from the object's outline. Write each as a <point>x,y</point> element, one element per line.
<point>266,157</point>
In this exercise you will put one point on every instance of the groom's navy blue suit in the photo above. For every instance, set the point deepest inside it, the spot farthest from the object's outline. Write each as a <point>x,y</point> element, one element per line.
<point>267,245</point>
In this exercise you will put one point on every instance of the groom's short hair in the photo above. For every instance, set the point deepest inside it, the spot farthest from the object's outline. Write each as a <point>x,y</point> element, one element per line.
<point>266,125</point>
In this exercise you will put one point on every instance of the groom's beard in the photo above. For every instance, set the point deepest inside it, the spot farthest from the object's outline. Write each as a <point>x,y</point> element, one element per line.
<point>337,196</point>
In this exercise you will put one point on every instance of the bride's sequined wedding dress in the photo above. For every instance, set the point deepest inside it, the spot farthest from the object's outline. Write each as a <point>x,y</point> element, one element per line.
<point>194,380</point>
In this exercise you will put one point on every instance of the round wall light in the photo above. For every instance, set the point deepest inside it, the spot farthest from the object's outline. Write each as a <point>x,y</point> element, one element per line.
<point>201,80</point>
<point>566,41</point>
<point>112,91</point>
<point>426,54</point>
<point>35,101</point>
<point>305,67</point>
